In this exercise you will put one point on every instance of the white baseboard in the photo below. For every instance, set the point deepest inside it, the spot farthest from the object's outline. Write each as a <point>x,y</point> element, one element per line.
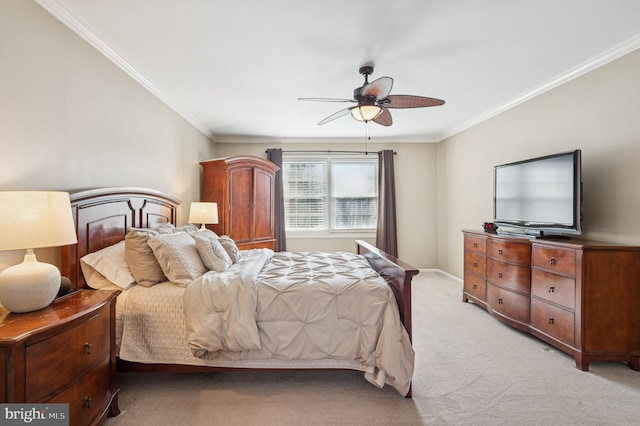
<point>441,272</point>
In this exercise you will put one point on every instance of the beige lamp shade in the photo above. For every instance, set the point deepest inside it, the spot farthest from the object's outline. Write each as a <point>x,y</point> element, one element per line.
<point>33,219</point>
<point>203,213</point>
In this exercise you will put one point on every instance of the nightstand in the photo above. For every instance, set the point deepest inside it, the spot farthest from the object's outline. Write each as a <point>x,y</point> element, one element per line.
<point>64,353</point>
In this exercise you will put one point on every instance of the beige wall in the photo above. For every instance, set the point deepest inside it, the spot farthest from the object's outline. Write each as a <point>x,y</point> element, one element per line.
<point>415,167</point>
<point>598,112</point>
<point>71,119</point>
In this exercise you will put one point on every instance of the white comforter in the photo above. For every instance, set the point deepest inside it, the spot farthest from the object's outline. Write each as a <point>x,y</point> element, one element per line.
<point>300,306</point>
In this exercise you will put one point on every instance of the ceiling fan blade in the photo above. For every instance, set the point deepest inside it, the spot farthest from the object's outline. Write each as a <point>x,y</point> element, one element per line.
<point>384,118</point>
<point>326,99</point>
<point>410,101</point>
<point>333,116</point>
<point>379,88</point>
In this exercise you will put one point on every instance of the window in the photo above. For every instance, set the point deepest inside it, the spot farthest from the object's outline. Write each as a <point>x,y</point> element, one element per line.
<point>330,195</point>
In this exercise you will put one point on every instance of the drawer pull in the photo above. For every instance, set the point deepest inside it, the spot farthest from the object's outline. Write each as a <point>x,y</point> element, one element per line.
<point>87,401</point>
<point>475,286</point>
<point>475,245</point>
<point>500,251</point>
<point>499,274</point>
<point>87,348</point>
<point>550,320</point>
<point>475,264</point>
<point>552,261</point>
<point>500,301</point>
<point>551,289</point>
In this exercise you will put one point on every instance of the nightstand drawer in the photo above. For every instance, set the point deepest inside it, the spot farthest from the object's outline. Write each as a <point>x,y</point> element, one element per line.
<point>562,261</point>
<point>89,397</point>
<point>554,288</point>
<point>511,304</point>
<point>66,356</point>
<point>553,320</point>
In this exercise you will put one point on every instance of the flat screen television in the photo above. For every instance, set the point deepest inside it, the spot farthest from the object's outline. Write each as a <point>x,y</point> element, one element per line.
<point>539,196</point>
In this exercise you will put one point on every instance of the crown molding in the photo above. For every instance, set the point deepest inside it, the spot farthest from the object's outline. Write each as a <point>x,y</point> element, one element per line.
<point>596,62</point>
<point>64,15</point>
<point>316,140</point>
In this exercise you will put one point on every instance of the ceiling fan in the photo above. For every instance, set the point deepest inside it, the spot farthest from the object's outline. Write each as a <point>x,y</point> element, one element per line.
<point>374,101</point>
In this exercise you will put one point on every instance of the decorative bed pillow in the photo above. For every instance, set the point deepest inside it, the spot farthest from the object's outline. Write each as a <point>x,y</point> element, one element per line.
<point>178,257</point>
<point>213,255</point>
<point>165,228</point>
<point>189,228</point>
<point>169,228</point>
<point>142,262</point>
<point>110,263</point>
<point>208,233</point>
<point>231,248</point>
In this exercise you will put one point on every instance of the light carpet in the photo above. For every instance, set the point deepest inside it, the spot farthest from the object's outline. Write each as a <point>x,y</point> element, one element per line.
<point>470,370</point>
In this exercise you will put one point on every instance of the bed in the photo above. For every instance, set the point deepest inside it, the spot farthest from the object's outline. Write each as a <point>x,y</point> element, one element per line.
<point>264,310</point>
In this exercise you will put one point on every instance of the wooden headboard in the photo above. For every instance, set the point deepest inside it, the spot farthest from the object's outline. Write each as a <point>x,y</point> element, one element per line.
<point>102,217</point>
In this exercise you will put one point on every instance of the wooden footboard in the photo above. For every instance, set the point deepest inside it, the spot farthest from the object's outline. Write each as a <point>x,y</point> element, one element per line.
<point>397,273</point>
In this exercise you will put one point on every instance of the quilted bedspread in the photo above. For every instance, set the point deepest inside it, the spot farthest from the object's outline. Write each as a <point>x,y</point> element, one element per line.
<point>301,306</point>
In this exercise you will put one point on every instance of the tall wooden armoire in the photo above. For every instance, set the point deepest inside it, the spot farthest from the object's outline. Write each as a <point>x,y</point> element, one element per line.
<point>243,187</point>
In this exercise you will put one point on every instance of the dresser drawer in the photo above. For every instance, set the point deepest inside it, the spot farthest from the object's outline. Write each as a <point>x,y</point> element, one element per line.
<point>510,304</point>
<point>475,285</point>
<point>475,244</point>
<point>509,276</point>
<point>509,252</point>
<point>562,261</point>
<point>89,397</point>
<point>553,320</point>
<point>475,263</point>
<point>55,362</point>
<point>554,288</point>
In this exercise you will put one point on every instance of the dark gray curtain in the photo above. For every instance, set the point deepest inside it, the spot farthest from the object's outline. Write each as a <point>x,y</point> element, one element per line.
<point>386,238</point>
<point>275,156</point>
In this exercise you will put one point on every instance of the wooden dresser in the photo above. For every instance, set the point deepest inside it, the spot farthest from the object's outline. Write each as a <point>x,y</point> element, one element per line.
<point>243,187</point>
<point>64,353</point>
<point>582,297</point>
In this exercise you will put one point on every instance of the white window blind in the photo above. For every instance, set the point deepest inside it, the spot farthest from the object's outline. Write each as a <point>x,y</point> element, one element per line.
<point>305,195</point>
<point>325,195</point>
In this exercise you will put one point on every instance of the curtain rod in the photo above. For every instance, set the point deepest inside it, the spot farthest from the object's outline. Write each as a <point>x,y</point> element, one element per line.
<point>331,152</point>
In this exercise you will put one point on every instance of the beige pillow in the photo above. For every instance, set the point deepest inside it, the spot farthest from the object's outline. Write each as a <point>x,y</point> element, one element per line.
<point>231,248</point>
<point>142,262</point>
<point>189,228</point>
<point>165,228</point>
<point>207,233</point>
<point>178,257</point>
<point>169,228</point>
<point>109,262</point>
<point>213,255</point>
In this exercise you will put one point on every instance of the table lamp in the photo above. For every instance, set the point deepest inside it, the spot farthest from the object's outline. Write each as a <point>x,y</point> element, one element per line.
<point>33,219</point>
<point>203,213</point>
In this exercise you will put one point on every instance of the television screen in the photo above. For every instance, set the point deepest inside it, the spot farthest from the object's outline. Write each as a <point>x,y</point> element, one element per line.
<point>540,195</point>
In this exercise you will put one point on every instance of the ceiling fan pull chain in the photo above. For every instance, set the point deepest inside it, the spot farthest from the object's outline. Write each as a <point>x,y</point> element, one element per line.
<point>367,137</point>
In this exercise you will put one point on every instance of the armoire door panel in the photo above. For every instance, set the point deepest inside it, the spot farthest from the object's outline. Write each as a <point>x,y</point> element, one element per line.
<point>264,209</point>
<point>240,204</point>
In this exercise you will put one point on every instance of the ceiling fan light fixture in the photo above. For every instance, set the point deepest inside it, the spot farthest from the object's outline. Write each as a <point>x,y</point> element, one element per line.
<point>366,112</point>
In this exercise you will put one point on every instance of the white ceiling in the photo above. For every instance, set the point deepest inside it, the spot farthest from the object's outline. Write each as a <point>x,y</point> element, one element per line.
<point>235,69</point>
